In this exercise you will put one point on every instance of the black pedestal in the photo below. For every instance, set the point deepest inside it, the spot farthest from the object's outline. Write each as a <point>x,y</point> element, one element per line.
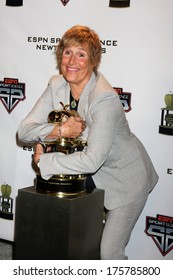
<point>48,227</point>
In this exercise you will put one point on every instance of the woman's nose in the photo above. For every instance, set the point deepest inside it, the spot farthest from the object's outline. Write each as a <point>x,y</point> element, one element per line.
<point>72,59</point>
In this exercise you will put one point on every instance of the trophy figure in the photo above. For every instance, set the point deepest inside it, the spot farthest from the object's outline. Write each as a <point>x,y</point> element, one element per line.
<point>166,126</point>
<point>63,185</point>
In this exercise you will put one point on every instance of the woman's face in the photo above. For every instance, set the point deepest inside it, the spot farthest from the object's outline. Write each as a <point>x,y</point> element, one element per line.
<point>76,66</point>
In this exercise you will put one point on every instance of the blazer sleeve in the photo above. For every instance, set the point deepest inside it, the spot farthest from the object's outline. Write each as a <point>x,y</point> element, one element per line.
<point>35,125</point>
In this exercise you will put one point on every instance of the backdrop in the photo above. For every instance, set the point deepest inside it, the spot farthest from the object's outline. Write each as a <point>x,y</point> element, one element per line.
<point>137,58</point>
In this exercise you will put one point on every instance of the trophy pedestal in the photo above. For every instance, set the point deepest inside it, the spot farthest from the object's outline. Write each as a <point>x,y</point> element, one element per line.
<point>48,227</point>
<point>166,130</point>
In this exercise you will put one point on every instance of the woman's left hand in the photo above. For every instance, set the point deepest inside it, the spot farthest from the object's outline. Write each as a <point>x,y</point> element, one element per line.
<point>37,153</point>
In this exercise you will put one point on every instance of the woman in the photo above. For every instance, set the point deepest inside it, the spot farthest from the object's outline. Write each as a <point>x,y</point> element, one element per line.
<point>114,156</point>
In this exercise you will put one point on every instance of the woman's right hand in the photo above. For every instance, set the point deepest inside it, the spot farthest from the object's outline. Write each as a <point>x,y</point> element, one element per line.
<point>71,128</point>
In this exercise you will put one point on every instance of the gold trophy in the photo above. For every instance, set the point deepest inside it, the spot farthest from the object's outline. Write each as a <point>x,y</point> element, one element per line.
<point>63,185</point>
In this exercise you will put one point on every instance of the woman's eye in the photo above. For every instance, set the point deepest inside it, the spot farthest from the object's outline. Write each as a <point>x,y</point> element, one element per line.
<point>81,55</point>
<point>66,52</point>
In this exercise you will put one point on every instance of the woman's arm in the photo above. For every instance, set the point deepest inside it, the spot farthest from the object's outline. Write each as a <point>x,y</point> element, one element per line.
<point>35,126</point>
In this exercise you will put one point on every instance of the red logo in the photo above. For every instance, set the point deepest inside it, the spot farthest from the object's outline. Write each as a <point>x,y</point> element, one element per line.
<point>11,93</point>
<point>125,98</point>
<point>160,229</point>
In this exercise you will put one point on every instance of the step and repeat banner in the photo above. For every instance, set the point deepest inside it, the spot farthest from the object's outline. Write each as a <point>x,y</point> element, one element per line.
<point>137,44</point>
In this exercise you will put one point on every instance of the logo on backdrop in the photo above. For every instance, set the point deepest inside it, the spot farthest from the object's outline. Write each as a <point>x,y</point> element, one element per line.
<point>119,3</point>
<point>113,3</point>
<point>50,43</point>
<point>20,2</point>
<point>14,3</point>
<point>6,202</point>
<point>11,93</point>
<point>170,171</point>
<point>125,98</point>
<point>64,2</point>
<point>160,229</point>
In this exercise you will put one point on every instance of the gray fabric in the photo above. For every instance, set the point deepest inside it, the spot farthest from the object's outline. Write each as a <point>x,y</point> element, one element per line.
<point>119,225</point>
<point>6,250</point>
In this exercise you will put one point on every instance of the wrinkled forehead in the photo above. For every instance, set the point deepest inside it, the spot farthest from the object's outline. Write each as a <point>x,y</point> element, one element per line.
<point>75,42</point>
<point>77,47</point>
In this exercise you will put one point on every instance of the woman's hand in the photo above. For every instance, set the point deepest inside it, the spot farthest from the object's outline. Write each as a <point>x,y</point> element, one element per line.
<point>71,128</point>
<point>37,153</point>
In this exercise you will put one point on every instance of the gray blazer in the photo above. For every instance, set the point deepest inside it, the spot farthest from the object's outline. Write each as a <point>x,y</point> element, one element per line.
<point>114,155</point>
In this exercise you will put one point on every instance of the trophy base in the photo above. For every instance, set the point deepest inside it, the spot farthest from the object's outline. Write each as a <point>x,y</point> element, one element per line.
<point>166,130</point>
<point>63,186</point>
